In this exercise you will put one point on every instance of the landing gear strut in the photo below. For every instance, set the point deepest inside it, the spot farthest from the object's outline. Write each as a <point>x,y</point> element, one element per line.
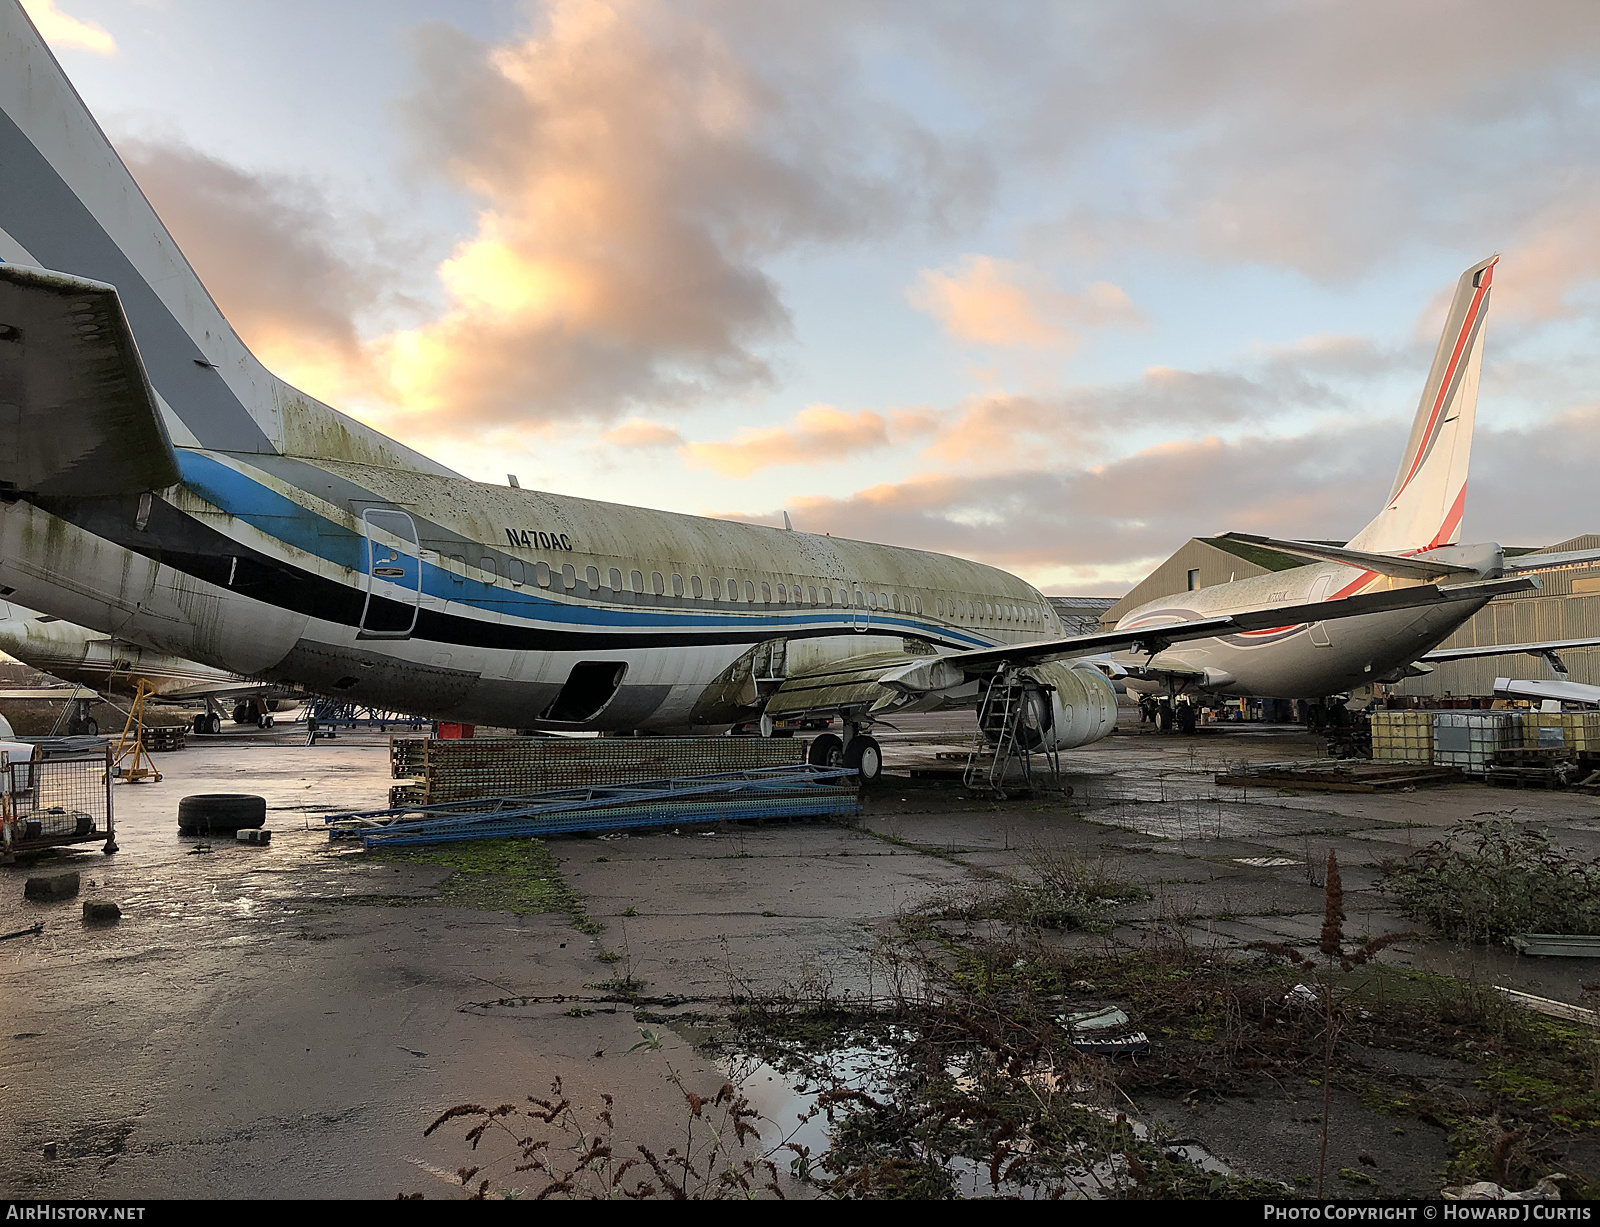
<point>863,753</point>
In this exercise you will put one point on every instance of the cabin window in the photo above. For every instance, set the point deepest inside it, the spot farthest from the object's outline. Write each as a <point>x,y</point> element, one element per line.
<point>616,579</point>
<point>541,574</point>
<point>677,584</point>
<point>569,577</point>
<point>695,588</point>
<point>811,594</point>
<point>591,576</point>
<point>486,565</point>
<point>456,575</point>
<point>938,606</point>
<point>783,594</point>
<point>716,588</point>
<point>637,578</point>
<point>827,596</point>
<point>516,572</point>
<point>766,594</point>
<point>749,590</point>
<point>657,584</point>
<point>872,600</point>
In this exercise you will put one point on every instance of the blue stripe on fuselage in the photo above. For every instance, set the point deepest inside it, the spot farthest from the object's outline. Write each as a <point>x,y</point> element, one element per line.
<point>282,519</point>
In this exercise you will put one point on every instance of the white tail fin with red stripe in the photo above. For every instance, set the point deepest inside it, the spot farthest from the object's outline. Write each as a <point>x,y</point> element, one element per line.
<point>1424,508</point>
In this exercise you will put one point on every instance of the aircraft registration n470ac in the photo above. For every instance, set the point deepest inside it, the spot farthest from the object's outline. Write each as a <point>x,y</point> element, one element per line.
<point>160,485</point>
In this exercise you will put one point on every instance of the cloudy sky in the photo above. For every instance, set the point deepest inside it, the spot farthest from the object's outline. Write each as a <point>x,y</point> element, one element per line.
<point>1054,286</point>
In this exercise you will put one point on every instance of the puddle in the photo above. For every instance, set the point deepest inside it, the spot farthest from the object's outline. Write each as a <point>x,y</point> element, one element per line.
<point>786,1096</point>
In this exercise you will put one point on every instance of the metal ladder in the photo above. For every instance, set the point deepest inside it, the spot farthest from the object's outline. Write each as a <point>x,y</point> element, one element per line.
<point>1002,739</point>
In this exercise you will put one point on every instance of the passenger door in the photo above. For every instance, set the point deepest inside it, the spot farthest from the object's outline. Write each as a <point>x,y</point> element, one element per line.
<point>394,574</point>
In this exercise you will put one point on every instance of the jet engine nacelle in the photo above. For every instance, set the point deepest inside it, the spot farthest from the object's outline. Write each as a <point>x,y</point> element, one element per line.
<point>1083,704</point>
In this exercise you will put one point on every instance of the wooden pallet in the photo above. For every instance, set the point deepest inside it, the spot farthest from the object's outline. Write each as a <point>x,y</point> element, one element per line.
<point>161,737</point>
<point>1336,775</point>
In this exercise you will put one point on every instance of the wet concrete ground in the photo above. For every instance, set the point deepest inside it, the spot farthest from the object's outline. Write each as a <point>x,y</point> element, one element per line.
<point>244,1032</point>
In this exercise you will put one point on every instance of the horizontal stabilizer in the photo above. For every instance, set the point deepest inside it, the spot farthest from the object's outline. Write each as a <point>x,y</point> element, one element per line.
<point>1510,649</point>
<point>1566,692</point>
<point>77,414</point>
<point>940,672</point>
<point>1383,564</point>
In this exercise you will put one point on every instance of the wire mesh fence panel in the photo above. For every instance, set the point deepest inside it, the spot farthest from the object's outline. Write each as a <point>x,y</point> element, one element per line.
<point>57,800</point>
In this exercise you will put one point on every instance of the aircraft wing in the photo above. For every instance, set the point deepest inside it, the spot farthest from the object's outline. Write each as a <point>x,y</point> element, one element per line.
<point>1383,564</point>
<point>1569,692</point>
<point>222,690</point>
<point>1567,558</point>
<point>77,413</point>
<point>941,672</point>
<point>1508,649</point>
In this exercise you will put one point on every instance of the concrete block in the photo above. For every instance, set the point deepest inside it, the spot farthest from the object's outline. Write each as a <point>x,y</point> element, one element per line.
<point>256,835</point>
<point>101,911</point>
<point>51,886</point>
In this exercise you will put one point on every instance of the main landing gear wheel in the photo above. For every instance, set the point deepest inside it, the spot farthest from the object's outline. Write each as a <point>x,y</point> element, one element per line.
<point>241,713</point>
<point>826,751</point>
<point>208,722</point>
<point>866,756</point>
<point>264,720</point>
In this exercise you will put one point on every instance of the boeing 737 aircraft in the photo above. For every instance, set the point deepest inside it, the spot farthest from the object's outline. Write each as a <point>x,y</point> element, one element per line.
<point>1413,539</point>
<point>158,484</point>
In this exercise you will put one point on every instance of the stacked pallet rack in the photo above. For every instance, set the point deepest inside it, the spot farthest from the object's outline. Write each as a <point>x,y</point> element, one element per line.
<point>440,770</point>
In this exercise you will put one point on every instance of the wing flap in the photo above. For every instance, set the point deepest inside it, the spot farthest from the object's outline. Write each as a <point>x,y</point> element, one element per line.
<point>77,413</point>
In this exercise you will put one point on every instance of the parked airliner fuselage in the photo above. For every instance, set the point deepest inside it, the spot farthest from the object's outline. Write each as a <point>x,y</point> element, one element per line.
<point>486,602</point>
<point>1296,662</point>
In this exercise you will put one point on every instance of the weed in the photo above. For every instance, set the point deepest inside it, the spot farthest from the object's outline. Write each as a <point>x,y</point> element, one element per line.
<point>1058,890</point>
<point>562,1154</point>
<point>1489,878</point>
<point>511,875</point>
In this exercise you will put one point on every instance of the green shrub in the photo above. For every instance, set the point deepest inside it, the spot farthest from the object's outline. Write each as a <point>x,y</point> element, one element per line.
<point>1489,878</point>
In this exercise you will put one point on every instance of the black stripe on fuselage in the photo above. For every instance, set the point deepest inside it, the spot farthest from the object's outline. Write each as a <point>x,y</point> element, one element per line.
<point>178,540</point>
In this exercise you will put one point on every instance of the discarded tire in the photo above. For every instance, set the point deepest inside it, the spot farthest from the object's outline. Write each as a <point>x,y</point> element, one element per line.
<point>220,811</point>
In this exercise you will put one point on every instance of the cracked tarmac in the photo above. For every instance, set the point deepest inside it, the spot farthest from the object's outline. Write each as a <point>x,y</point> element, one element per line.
<point>245,1032</point>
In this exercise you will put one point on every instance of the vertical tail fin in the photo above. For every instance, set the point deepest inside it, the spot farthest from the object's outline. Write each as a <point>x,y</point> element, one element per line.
<point>69,205</point>
<point>1425,506</point>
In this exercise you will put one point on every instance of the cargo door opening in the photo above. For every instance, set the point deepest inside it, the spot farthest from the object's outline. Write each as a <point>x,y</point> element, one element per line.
<point>590,686</point>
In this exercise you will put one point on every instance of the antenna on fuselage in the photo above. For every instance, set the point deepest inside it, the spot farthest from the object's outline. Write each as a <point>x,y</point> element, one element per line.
<point>788,527</point>
<point>511,480</point>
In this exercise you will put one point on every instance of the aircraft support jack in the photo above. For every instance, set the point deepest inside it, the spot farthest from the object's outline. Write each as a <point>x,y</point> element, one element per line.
<point>130,746</point>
